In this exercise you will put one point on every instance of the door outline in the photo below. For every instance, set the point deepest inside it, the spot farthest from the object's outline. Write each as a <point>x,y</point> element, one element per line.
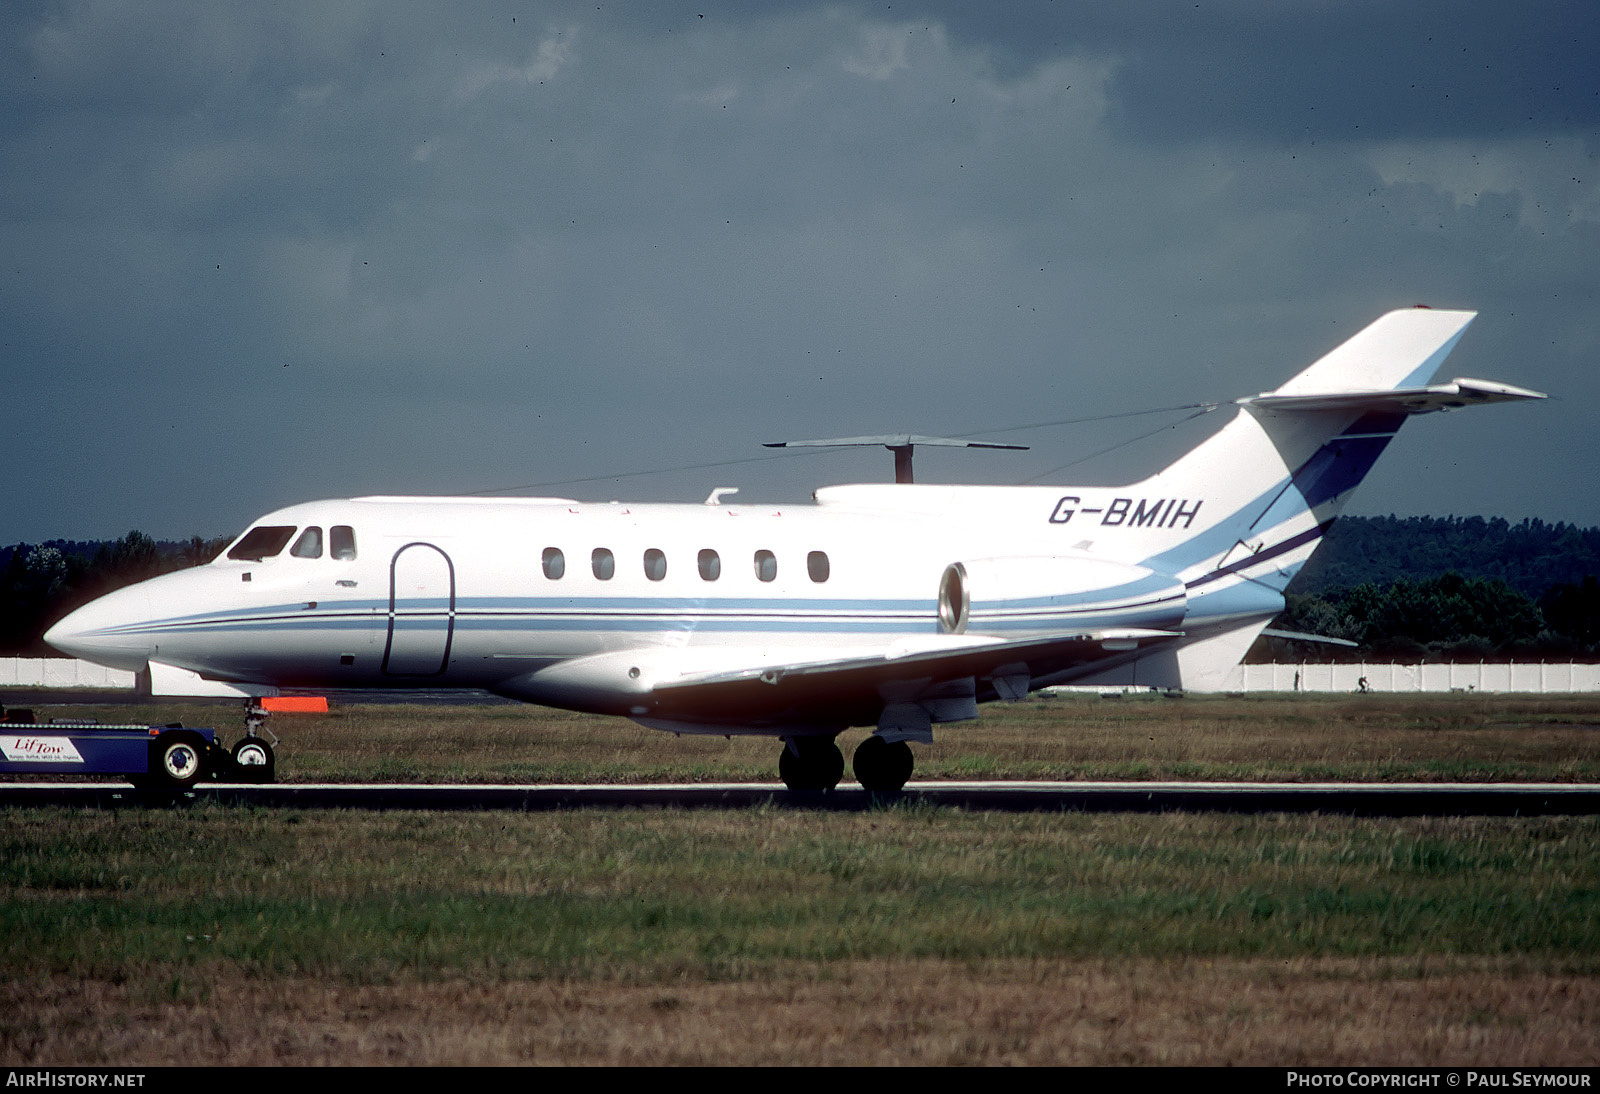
<point>412,637</point>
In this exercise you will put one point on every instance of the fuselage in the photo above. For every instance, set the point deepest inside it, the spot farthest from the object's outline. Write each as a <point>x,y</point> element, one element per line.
<point>899,606</point>
<point>473,593</point>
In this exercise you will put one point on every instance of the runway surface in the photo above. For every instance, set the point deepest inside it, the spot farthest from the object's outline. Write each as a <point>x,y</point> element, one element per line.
<point>1358,799</point>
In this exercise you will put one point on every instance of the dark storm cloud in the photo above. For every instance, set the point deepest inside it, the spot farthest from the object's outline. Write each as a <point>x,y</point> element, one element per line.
<point>1283,72</point>
<point>254,254</point>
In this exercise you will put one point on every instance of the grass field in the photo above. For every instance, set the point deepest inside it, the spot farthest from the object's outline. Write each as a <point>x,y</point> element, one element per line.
<point>906,935</point>
<point>1365,738</point>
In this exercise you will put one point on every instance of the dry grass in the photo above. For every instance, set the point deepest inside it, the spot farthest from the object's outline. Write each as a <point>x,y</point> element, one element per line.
<point>917,935</point>
<point>1300,1012</point>
<point>1368,738</point>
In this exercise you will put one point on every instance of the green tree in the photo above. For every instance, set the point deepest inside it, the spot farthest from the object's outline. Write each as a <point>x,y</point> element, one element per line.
<point>40,584</point>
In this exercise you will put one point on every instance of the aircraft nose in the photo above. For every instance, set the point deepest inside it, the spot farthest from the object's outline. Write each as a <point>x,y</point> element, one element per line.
<point>112,631</point>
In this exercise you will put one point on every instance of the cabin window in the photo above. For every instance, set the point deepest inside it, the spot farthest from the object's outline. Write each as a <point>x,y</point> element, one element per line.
<point>342,542</point>
<point>655,564</point>
<point>766,566</point>
<point>603,563</point>
<point>817,565</point>
<point>710,565</point>
<point>262,543</point>
<point>309,545</point>
<point>555,563</point>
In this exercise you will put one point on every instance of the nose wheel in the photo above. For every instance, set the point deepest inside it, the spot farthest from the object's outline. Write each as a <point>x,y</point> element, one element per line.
<point>253,758</point>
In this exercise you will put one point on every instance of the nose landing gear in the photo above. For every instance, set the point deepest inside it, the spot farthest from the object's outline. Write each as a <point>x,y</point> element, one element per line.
<point>253,757</point>
<point>254,761</point>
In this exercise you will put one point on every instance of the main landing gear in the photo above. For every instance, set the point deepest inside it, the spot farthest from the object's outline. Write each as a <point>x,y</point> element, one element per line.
<point>815,763</point>
<point>810,763</point>
<point>882,766</point>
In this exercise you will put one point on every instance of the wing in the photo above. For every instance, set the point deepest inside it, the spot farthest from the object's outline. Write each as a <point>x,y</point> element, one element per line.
<point>767,690</point>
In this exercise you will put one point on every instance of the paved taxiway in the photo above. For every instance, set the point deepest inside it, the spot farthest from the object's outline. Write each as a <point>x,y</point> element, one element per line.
<point>1359,799</point>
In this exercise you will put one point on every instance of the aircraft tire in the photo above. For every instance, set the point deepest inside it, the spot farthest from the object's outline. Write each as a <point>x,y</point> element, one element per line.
<point>253,761</point>
<point>819,765</point>
<point>177,760</point>
<point>881,766</point>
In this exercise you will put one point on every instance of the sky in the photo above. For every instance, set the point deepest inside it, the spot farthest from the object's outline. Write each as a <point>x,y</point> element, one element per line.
<point>258,254</point>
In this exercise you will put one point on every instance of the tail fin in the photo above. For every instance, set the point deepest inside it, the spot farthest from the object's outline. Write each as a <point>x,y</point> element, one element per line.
<point>1401,349</point>
<point>1276,476</point>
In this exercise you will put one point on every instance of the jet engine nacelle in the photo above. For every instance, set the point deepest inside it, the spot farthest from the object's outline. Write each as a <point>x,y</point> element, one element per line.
<point>1050,594</point>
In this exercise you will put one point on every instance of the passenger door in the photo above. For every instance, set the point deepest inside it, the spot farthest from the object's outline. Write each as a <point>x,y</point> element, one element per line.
<point>422,611</point>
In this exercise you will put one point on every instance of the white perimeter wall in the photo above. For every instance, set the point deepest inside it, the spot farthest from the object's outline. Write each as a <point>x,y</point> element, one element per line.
<point>1485,676</point>
<point>59,672</point>
<point>64,672</point>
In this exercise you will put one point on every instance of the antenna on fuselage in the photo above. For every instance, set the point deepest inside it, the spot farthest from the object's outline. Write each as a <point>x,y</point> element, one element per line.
<point>901,444</point>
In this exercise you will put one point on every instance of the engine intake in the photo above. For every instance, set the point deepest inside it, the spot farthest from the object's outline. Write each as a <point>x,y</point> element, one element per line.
<point>1052,594</point>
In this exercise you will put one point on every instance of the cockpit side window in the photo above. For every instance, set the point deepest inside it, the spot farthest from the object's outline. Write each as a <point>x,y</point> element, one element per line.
<point>309,545</point>
<point>342,541</point>
<point>263,542</point>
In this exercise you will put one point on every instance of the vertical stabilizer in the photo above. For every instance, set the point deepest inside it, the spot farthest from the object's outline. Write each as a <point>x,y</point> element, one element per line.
<point>1275,477</point>
<point>1277,474</point>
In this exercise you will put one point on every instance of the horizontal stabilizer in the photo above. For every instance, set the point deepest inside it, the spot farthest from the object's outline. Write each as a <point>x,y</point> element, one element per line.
<point>1457,393</point>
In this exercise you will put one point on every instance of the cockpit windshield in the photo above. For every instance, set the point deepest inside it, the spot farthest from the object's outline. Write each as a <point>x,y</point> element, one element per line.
<point>262,543</point>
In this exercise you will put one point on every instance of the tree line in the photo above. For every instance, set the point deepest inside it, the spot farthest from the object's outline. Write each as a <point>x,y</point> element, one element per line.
<point>1448,617</point>
<point>41,583</point>
<point>1530,556</point>
<point>1446,589</point>
<point>1436,588</point>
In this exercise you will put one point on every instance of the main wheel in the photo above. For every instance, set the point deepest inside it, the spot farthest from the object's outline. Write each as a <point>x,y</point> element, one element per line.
<point>253,761</point>
<point>177,760</point>
<point>810,763</point>
<point>882,766</point>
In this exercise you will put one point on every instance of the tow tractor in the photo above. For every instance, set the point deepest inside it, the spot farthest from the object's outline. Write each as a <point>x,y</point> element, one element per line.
<point>164,757</point>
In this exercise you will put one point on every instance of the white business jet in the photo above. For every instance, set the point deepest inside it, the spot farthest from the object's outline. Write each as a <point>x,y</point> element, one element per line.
<point>897,606</point>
